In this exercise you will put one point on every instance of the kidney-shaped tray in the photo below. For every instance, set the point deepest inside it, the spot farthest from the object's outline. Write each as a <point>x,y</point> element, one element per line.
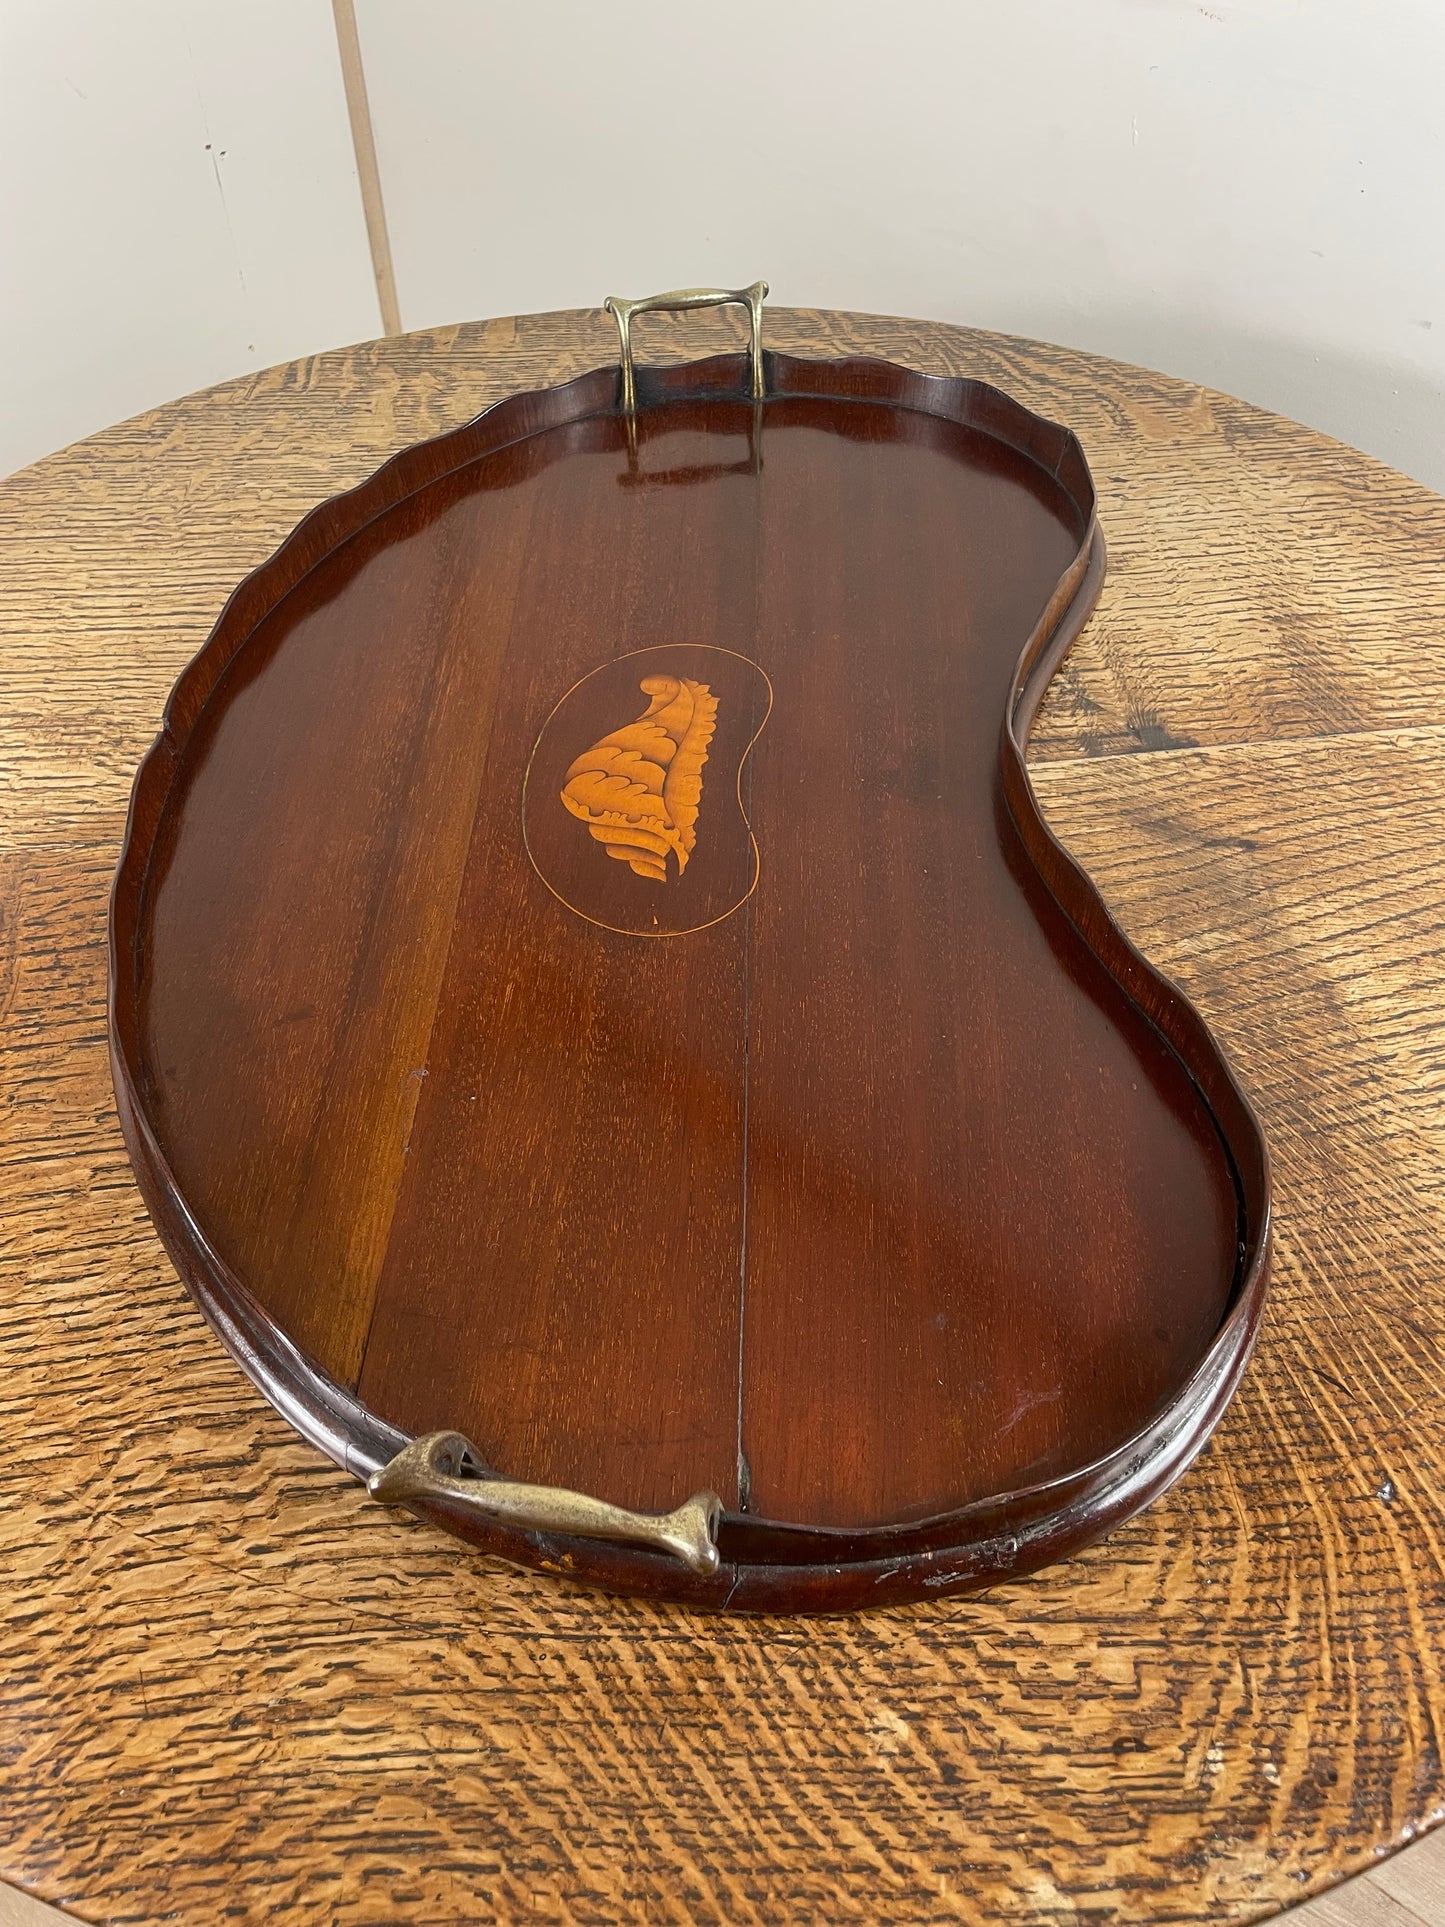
<point>607,1037</point>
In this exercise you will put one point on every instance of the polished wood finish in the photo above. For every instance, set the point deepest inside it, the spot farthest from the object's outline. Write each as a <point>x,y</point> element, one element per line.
<point>233,1684</point>
<point>890,1196</point>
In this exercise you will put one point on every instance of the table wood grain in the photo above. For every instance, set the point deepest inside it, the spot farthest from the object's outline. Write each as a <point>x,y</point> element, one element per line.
<point>233,1688</point>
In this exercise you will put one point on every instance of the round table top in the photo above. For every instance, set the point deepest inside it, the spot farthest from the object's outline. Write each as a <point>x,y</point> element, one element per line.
<point>232,1682</point>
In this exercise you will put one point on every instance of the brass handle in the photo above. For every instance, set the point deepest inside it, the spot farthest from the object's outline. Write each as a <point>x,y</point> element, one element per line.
<point>436,1467</point>
<point>682,298</point>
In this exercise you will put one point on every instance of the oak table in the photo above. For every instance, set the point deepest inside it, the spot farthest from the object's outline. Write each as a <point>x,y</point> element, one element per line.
<point>232,1687</point>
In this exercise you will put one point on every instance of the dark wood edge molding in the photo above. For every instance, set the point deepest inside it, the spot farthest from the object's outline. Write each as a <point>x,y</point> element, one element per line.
<point>766,1565</point>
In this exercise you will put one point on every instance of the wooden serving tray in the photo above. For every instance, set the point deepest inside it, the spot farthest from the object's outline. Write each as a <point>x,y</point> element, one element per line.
<point>606,1034</point>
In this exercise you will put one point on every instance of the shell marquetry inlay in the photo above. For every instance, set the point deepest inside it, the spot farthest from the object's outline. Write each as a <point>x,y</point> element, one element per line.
<point>639,789</point>
<point>666,795</point>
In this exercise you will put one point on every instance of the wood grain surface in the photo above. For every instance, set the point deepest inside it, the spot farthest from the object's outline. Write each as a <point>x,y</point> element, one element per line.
<point>907,1210</point>
<point>235,1689</point>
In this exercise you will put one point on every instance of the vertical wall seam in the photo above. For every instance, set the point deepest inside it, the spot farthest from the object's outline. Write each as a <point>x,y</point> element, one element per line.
<point>363,142</point>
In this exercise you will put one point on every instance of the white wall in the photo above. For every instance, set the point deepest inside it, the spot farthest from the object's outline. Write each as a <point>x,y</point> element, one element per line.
<point>1249,193</point>
<point>178,203</point>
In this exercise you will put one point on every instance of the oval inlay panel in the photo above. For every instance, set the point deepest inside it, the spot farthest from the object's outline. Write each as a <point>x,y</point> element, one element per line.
<point>634,805</point>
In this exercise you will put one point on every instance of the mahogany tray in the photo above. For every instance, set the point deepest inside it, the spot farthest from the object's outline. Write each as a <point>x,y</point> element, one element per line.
<point>605,1032</point>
